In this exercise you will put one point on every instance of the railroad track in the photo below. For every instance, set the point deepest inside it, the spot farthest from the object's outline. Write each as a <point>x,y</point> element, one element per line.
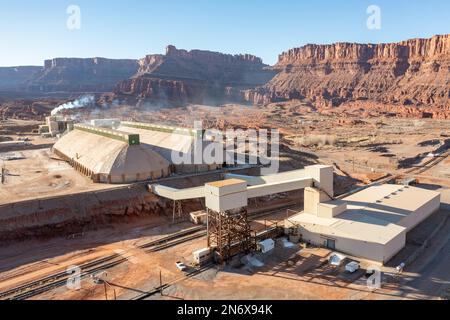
<point>429,164</point>
<point>42,285</point>
<point>59,279</point>
<point>172,238</point>
<point>175,242</point>
<point>206,267</point>
<point>409,172</point>
<point>36,287</point>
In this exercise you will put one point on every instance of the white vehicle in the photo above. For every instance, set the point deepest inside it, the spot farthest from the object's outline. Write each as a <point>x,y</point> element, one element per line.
<point>352,267</point>
<point>181,266</point>
<point>400,267</point>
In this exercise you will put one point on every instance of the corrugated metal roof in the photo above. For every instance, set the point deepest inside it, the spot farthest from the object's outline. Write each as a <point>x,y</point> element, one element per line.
<point>103,155</point>
<point>165,143</point>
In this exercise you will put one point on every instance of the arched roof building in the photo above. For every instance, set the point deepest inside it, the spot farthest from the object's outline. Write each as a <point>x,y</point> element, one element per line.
<point>110,156</point>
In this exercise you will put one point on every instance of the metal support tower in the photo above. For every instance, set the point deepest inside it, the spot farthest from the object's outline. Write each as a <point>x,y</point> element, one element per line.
<point>3,175</point>
<point>177,214</point>
<point>229,233</point>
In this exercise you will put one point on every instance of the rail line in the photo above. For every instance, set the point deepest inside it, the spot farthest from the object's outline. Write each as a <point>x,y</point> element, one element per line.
<point>409,172</point>
<point>62,280</point>
<point>59,279</point>
<point>204,268</point>
<point>428,164</point>
<point>36,287</point>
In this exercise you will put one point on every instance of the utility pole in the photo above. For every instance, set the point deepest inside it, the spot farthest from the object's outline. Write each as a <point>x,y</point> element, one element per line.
<point>111,287</point>
<point>99,278</point>
<point>106,291</point>
<point>160,283</point>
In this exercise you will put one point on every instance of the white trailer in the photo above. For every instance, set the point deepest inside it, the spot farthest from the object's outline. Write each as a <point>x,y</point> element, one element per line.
<point>266,245</point>
<point>202,256</point>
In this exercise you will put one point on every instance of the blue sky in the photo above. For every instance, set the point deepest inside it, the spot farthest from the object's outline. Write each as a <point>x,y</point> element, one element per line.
<point>32,31</point>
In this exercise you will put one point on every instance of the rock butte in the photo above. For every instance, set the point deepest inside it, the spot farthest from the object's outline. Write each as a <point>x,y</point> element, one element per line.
<point>408,73</point>
<point>408,78</point>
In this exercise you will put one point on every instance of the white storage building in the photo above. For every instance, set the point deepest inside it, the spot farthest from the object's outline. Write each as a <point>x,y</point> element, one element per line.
<point>371,224</point>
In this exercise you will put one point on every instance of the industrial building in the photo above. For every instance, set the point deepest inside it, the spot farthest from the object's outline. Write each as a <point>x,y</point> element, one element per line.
<point>106,123</point>
<point>105,151</point>
<point>55,125</point>
<point>183,142</point>
<point>226,201</point>
<point>370,224</point>
<point>110,156</point>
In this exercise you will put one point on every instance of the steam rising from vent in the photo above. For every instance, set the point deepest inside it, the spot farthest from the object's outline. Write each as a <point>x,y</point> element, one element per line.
<point>79,103</point>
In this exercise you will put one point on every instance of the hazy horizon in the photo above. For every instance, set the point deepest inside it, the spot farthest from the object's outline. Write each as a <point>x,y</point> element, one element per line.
<point>35,32</point>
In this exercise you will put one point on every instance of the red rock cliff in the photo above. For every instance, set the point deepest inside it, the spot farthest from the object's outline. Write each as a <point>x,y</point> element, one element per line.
<point>413,72</point>
<point>196,76</point>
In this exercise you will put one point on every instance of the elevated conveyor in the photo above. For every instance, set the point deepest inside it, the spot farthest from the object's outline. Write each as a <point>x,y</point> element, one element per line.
<point>177,194</point>
<point>257,186</point>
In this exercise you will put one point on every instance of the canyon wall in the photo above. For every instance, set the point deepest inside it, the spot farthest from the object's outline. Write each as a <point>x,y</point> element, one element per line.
<point>72,75</point>
<point>196,76</point>
<point>12,78</point>
<point>411,73</point>
<point>82,75</point>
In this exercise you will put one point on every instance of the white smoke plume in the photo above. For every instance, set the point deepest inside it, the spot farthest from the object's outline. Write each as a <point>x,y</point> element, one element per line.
<point>79,103</point>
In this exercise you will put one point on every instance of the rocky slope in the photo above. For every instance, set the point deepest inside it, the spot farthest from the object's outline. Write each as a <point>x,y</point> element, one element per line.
<point>196,76</point>
<point>409,73</point>
<point>74,213</point>
<point>28,109</point>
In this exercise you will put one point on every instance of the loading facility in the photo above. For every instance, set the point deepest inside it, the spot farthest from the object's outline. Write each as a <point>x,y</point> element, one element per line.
<point>371,224</point>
